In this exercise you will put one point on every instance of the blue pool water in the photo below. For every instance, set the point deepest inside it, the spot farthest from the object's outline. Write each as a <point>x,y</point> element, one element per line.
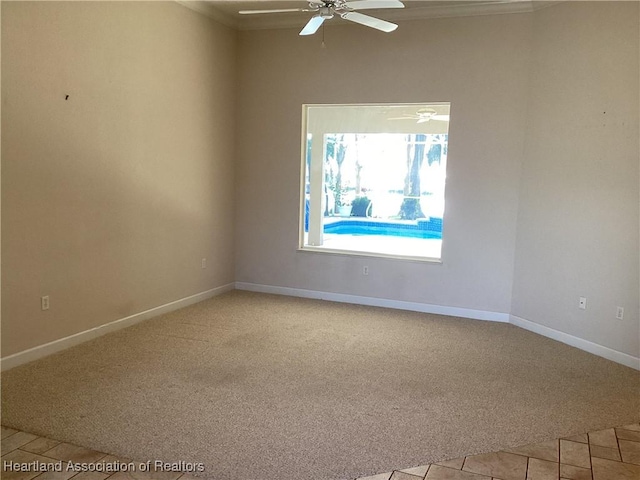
<point>422,229</point>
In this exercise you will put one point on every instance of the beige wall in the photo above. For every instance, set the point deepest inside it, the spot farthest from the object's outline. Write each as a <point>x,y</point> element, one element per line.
<point>110,199</point>
<point>478,64</point>
<point>579,201</point>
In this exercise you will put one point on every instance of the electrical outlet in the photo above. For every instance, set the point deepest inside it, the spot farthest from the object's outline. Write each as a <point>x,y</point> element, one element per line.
<point>365,270</point>
<point>619,313</point>
<point>44,302</point>
<point>204,263</point>
<point>582,303</point>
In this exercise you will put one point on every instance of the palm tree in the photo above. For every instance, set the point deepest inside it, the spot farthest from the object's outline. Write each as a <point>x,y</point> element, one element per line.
<point>410,208</point>
<point>337,150</point>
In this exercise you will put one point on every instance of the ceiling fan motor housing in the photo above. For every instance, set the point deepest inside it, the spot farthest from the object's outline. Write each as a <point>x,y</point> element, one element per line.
<point>326,12</point>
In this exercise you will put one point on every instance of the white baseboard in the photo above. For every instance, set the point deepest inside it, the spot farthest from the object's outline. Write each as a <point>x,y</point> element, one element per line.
<point>40,351</point>
<point>586,345</point>
<point>376,302</point>
<point>64,343</point>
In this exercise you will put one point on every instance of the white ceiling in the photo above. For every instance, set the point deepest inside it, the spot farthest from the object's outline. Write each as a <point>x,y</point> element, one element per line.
<point>226,11</point>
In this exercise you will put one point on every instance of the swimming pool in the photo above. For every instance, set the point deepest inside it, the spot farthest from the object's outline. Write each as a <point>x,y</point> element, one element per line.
<point>431,228</point>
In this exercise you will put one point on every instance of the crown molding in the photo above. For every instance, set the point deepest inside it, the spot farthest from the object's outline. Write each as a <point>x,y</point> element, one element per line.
<point>474,9</point>
<point>208,10</point>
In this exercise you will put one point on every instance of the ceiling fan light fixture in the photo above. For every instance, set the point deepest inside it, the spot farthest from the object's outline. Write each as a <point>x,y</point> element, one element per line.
<point>326,9</point>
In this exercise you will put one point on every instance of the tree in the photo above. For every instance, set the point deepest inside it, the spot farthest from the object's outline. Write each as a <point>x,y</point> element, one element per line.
<point>410,208</point>
<point>434,153</point>
<point>358,166</point>
<point>337,150</point>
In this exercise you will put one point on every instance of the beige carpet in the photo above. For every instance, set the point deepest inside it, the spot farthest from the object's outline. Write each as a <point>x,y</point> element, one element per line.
<point>267,387</point>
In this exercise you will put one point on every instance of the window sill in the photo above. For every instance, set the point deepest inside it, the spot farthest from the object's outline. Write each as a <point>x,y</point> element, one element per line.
<point>355,253</point>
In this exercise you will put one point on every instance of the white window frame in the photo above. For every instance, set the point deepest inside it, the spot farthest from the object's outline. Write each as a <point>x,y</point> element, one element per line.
<point>316,184</point>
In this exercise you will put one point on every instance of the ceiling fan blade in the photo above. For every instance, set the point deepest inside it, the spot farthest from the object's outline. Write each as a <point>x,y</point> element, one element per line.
<point>369,4</point>
<point>442,118</point>
<point>280,10</point>
<point>312,25</point>
<point>369,21</point>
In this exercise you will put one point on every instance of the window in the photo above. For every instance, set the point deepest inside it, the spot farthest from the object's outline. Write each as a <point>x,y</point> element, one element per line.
<point>374,178</point>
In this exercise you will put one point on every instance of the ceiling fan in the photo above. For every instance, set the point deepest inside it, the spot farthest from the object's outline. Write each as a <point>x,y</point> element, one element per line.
<point>326,9</point>
<point>423,115</point>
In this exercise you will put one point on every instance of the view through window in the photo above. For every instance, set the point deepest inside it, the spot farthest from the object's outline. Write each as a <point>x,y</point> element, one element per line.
<point>374,179</point>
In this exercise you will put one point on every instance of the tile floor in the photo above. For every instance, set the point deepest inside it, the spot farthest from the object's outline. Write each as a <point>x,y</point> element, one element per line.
<point>611,454</point>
